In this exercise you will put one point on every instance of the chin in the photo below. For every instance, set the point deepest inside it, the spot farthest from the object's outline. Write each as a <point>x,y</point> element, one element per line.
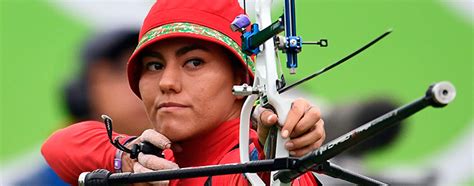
<point>175,137</point>
<point>172,131</point>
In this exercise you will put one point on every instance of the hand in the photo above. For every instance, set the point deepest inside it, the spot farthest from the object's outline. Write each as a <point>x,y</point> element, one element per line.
<point>148,162</point>
<point>303,126</point>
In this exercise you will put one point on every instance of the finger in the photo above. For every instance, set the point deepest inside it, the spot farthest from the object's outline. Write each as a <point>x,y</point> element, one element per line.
<point>268,118</point>
<point>307,122</point>
<point>155,163</point>
<point>161,183</point>
<point>305,150</point>
<point>298,107</point>
<point>155,138</point>
<point>138,168</point>
<point>315,135</point>
<point>140,184</point>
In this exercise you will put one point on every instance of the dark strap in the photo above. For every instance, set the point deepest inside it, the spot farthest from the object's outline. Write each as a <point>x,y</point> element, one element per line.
<point>233,148</point>
<point>209,179</point>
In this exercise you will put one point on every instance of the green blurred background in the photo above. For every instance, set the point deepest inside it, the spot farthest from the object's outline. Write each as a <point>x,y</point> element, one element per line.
<point>432,41</point>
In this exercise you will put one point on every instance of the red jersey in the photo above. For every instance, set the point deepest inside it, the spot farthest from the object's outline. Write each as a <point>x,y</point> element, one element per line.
<point>85,147</point>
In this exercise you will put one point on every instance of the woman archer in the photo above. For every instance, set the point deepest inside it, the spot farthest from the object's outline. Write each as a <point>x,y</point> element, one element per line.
<point>183,70</point>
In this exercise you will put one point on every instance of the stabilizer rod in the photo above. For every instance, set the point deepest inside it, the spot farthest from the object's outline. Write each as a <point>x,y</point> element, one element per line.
<point>437,95</point>
<point>104,177</point>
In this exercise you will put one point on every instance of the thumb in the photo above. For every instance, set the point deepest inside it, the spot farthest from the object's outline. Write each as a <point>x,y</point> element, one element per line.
<point>268,118</point>
<point>155,138</point>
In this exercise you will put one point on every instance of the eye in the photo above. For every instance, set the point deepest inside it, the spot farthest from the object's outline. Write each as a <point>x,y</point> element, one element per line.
<point>194,63</point>
<point>153,66</point>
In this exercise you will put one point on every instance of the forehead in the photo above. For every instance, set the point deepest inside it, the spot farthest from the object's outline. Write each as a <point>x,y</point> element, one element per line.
<point>174,44</point>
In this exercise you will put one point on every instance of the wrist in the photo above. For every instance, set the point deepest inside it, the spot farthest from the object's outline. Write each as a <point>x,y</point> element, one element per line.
<point>121,162</point>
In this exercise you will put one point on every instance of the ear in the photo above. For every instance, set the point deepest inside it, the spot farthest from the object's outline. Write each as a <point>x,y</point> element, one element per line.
<point>239,79</point>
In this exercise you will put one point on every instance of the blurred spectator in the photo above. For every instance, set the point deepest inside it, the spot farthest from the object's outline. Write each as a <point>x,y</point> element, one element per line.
<point>344,118</point>
<point>101,87</point>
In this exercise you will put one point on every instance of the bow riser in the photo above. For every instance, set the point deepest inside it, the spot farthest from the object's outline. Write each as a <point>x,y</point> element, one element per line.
<point>266,76</point>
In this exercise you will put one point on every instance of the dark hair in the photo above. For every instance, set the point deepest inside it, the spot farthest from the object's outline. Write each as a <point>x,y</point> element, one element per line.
<point>239,68</point>
<point>106,45</point>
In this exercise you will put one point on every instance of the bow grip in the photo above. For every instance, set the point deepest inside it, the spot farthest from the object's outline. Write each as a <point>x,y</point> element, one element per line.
<point>146,148</point>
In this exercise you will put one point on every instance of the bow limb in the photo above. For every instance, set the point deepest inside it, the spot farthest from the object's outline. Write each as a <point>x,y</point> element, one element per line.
<point>244,137</point>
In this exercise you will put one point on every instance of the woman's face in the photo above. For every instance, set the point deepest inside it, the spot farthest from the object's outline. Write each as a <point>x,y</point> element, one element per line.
<point>186,87</point>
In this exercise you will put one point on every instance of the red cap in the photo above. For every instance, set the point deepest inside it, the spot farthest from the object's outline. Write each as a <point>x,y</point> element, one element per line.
<point>208,20</point>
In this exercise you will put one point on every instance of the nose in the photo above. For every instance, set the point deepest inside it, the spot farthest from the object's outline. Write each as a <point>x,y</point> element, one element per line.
<point>170,81</point>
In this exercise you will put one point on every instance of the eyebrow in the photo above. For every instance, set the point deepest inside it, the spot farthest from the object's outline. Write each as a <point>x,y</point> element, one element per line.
<point>153,54</point>
<point>189,48</point>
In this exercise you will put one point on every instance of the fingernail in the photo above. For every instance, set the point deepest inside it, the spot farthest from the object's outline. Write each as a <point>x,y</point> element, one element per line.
<point>292,153</point>
<point>269,118</point>
<point>285,134</point>
<point>289,145</point>
<point>167,146</point>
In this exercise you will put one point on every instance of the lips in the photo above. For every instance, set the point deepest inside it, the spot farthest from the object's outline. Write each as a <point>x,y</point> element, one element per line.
<point>171,105</point>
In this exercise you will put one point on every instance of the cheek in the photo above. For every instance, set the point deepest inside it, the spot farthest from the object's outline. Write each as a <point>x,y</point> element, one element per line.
<point>148,92</point>
<point>216,97</point>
